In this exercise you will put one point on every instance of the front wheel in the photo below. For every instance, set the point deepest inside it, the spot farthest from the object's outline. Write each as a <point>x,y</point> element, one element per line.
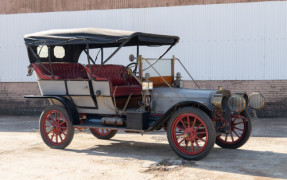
<point>103,133</point>
<point>190,133</point>
<point>56,129</point>
<point>239,134</point>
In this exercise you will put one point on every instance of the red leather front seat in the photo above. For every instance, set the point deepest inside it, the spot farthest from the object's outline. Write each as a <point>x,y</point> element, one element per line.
<point>112,73</point>
<point>61,71</point>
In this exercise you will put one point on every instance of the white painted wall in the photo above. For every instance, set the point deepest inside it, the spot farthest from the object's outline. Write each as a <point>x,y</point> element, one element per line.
<point>244,41</point>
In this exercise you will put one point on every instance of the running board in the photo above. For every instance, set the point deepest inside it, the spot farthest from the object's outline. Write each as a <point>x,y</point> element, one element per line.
<point>108,127</point>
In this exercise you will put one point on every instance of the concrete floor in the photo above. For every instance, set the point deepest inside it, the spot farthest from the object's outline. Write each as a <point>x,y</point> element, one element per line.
<point>132,156</point>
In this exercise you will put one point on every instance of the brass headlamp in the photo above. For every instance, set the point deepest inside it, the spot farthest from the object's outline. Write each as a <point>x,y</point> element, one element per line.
<point>237,103</point>
<point>220,102</point>
<point>256,100</point>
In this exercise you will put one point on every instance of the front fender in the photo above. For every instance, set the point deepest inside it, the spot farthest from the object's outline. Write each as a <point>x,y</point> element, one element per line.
<point>165,117</point>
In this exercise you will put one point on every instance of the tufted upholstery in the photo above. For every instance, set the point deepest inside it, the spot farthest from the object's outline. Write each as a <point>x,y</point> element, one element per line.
<point>112,73</point>
<point>61,71</point>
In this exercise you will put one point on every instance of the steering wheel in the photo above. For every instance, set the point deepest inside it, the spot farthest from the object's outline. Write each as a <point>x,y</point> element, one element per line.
<point>123,75</point>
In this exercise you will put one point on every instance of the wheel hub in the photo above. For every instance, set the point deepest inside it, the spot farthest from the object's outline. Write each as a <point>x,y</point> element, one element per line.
<point>56,128</point>
<point>189,134</point>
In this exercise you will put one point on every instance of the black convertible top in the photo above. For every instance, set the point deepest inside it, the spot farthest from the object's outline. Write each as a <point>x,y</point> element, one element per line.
<point>96,38</point>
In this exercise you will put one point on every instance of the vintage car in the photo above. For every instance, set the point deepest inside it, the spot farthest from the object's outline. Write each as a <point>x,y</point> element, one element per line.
<point>144,96</point>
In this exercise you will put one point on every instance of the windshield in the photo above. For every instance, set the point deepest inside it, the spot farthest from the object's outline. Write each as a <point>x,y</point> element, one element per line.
<point>163,66</point>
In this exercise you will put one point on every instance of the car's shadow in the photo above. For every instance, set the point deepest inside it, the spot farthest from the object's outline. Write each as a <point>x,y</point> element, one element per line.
<point>276,128</point>
<point>239,161</point>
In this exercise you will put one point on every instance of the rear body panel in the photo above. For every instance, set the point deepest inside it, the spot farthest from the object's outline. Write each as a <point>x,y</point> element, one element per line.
<point>78,91</point>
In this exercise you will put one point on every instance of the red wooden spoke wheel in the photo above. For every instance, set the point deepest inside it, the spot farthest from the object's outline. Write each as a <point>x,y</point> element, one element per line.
<point>55,127</point>
<point>239,134</point>
<point>102,133</point>
<point>191,133</point>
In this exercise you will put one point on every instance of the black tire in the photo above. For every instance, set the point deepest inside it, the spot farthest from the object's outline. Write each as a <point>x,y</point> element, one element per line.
<point>190,134</point>
<point>58,128</point>
<point>97,134</point>
<point>243,137</point>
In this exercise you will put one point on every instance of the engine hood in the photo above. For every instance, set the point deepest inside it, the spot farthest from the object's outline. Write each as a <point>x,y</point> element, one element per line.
<point>165,92</point>
<point>164,98</point>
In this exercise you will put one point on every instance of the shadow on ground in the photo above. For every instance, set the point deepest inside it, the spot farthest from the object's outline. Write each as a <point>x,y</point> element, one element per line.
<point>269,127</point>
<point>261,127</point>
<point>239,161</point>
<point>19,123</point>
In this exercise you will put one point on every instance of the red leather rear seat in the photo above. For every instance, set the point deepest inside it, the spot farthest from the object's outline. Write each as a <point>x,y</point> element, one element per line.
<point>112,73</point>
<point>61,71</point>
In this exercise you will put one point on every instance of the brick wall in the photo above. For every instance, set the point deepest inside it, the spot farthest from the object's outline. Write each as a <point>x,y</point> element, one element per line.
<point>275,92</point>
<point>32,6</point>
<point>12,99</point>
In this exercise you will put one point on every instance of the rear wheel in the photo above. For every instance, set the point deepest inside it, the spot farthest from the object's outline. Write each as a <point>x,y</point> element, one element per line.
<point>240,132</point>
<point>55,127</point>
<point>101,133</point>
<point>191,133</point>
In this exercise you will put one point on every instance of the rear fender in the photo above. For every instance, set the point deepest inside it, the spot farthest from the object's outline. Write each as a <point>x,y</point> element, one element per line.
<point>68,104</point>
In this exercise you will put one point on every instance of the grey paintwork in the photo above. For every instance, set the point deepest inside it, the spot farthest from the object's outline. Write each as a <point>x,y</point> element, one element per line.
<point>163,98</point>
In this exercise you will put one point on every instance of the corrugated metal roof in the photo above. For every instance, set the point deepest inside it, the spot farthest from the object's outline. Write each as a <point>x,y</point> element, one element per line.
<point>245,41</point>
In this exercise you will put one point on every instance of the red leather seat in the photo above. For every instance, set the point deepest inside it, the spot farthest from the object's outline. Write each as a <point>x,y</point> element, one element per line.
<point>61,71</point>
<point>112,73</point>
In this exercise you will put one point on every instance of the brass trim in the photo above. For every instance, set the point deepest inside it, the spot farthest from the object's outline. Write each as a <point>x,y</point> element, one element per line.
<point>217,100</point>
